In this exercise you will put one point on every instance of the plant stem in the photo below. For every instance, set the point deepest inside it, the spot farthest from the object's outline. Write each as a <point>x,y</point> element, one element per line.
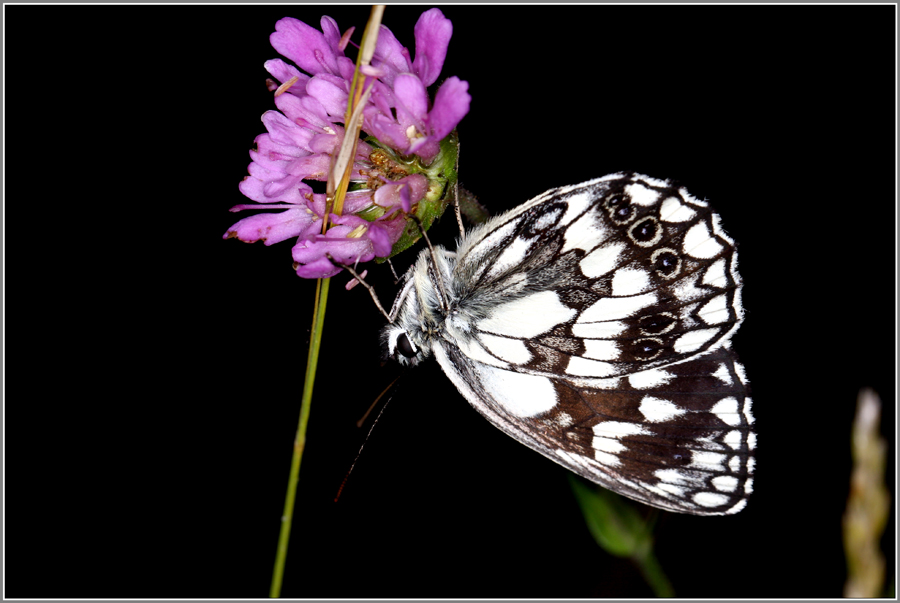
<point>338,181</point>
<point>654,574</point>
<point>312,361</point>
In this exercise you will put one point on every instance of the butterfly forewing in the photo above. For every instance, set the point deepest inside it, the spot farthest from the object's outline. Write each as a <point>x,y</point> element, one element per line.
<point>618,275</point>
<point>593,324</point>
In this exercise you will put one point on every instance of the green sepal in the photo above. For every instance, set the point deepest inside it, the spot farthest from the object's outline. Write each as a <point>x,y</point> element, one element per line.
<point>442,177</point>
<point>371,213</point>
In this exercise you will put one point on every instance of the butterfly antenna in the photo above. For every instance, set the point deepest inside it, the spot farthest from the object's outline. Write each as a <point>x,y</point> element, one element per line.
<point>380,396</point>
<point>438,278</point>
<point>359,424</point>
<point>361,282</point>
<point>462,231</point>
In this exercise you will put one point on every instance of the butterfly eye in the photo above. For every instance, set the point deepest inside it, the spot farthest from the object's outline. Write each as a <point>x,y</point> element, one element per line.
<point>404,346</point>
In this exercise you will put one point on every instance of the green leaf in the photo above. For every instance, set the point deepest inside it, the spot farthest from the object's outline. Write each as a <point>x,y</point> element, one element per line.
<point>614,524</point>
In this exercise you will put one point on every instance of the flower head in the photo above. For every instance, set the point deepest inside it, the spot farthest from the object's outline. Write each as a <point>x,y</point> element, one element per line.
<point>389,177</point>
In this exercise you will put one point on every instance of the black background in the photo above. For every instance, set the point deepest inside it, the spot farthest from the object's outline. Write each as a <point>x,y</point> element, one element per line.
<point>154,371</point>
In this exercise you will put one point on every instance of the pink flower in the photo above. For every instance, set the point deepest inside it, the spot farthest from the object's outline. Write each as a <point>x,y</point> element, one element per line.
<point>302,139</point>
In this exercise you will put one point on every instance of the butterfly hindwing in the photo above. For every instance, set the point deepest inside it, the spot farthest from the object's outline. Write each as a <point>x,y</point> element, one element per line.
<point>678,438</point>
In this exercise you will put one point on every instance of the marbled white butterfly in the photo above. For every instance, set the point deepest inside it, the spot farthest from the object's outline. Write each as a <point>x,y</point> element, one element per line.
<point>593,324</point>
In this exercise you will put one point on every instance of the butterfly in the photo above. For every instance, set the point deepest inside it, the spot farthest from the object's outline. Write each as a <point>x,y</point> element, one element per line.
<point>593,324</point>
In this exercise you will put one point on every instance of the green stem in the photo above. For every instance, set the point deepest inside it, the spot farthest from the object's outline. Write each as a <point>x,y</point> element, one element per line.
<point>654,575</point>
<point>312,361</point>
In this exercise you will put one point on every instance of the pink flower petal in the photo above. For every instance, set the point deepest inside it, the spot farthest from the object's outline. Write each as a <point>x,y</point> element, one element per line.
<point>254,188</point>
<point>331,92</point>
<point>271,162</point>
<point>317,204</point>
<point>380,237</point>
<point>386,130</point>
<point>353,282</point>
<point>282,72</point>
<point>324,143</point>
<point>426,148</point>
<point>411,94</point>
<point>320,268</point>
<point>390,56</point>
<point>335,243</point>
<point>451,103</point>
<point>403,192</point>
<point>350,251</point>
<point>284,131</point>
<point>282,188</point>
<point>268,146</point>
<point>433,32</point>
<point>345,224</point>
<point>356,201</point>
<point>273,185</point>
<point>272,228</point>
<point>331,33</point>
<point>346,67</point>
<point>382,97</point>
<point>304,111</point>
<point>304,45</point>
<point>345,38</point>
<point>312,166</point>
<point>394,225</point>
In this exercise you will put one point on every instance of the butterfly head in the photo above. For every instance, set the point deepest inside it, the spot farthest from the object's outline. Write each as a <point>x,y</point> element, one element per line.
<point>418,314</point>
<point>403,339</point>
<point>401,347</point>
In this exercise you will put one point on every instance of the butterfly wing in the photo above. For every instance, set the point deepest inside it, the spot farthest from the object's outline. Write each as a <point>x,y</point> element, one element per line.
<point>678,438</point>
<point>603,279</point>
<point>594,326</point>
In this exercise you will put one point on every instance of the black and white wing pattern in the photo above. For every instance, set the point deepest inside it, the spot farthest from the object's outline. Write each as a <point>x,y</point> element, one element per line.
<point>593,324</point>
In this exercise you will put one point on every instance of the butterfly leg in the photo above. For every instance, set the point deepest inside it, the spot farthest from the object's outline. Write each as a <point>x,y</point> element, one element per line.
<point>361,282</point>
